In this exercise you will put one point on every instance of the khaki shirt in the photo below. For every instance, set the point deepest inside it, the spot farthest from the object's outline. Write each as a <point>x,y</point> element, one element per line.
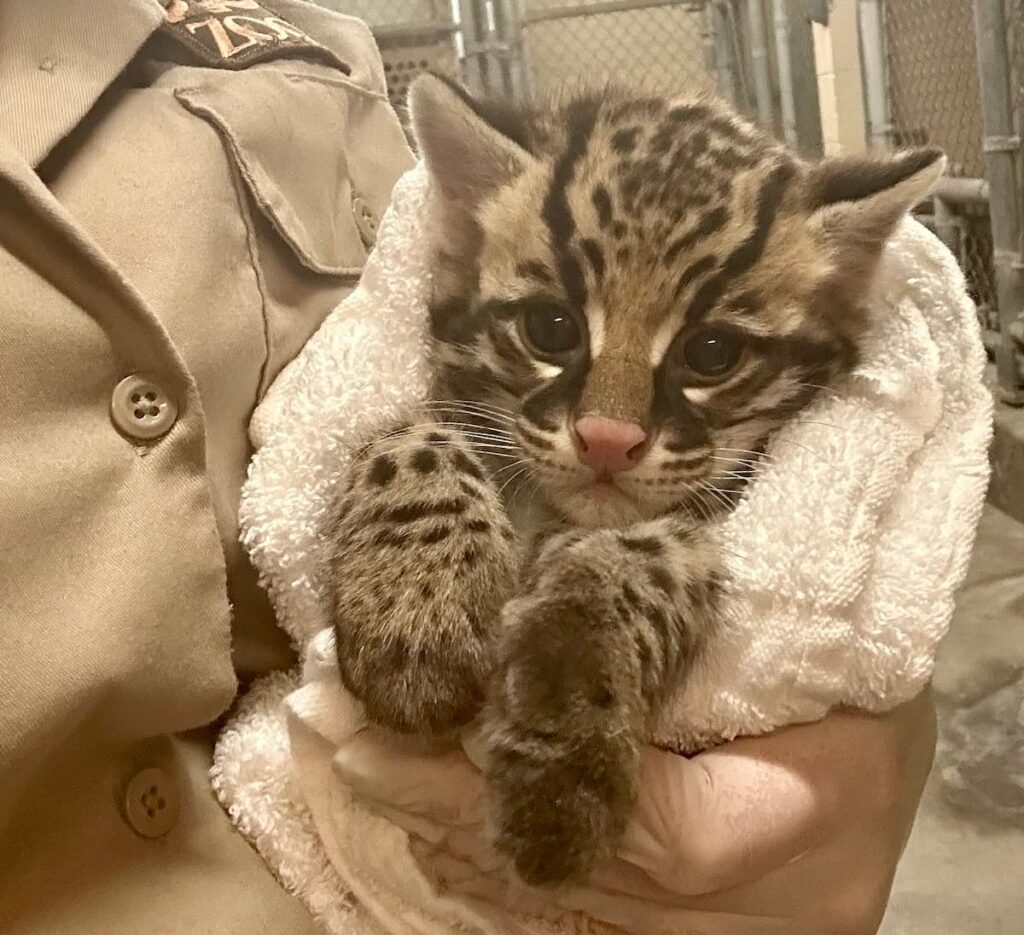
<point>178,211</point>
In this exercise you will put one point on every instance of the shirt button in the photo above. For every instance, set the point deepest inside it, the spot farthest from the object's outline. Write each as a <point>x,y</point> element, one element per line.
<point>141,409</point>
<point>151,803</point>
<point>366,221</point>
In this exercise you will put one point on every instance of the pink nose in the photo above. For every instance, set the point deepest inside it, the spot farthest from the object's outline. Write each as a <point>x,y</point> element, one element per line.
<point>608,445</point>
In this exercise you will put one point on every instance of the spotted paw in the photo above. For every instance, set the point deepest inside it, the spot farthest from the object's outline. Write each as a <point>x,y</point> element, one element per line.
<point>564,730</point>
<point>558,813</point>
<point>422,559</point>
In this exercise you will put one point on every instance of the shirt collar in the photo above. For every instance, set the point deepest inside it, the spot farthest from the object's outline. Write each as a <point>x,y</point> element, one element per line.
<point>57,57</point>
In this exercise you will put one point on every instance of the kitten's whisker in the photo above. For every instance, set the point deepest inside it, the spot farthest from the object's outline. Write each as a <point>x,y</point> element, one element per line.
<point>746,451</point>
<point>464,409</point>
<point>739,469</point>
<point>469,413</point>
<point>490,436</point>
<point>719,495</point>
<point>707,511</point>
<point>810,451</point>
<point>827,425</point>
<point>417,446</point>
<point>480,419</point>
<point>507,467</point>
<point>485,436</point>
<point>466,414</point>
<point>748,475</point>
<point>504,439</point>
<point>491,448</point>
<point>735,475</point>
<point>745,464</point>
<point>535,489</point>
<point>698,502</point>
<point>482,405</point>
<point>824,389</point>
<point>534,486</point>
<point>739,556</point>
<point>422,430</point>
<point>513,477</point>
<point>506,415</point>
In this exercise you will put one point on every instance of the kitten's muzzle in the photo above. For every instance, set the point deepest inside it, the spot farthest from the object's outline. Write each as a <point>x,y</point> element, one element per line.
<point>608,446</point>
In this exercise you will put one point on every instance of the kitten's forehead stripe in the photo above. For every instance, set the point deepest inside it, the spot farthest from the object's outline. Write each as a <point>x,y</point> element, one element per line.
<point>594,254</point>
<point>748,252</point>
<point>582,115</point>
<point>710,223</point>
<point>602,202</point>
<point>693,272</point>
<point>534,269</point>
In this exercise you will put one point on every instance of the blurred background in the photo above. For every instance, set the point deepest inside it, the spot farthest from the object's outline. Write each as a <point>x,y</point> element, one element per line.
<point>833,76</point>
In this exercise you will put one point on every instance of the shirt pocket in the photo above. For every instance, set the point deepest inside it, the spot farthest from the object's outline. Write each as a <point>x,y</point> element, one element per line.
<point>285,135</point>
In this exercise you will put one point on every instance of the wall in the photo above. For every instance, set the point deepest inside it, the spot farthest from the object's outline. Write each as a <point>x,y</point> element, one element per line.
<point>837,51</point>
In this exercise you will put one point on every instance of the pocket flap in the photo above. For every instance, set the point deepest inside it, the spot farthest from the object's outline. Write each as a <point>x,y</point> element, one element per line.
<point>285,134</point>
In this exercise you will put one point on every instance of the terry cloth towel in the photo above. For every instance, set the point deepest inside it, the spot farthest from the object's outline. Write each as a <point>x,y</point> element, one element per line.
<point>844,558</point>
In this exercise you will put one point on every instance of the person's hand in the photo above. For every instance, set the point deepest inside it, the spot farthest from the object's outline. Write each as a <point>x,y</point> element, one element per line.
<point>798,831</point>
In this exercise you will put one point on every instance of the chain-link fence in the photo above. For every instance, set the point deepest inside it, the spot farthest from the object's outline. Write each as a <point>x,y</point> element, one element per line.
<point>935,99</point>
<point>1015,41</point>
<point>950,84</point>
<point>563,43</point>
<point>414,36</point>
<point>934,94</point>
<point>757,53</point>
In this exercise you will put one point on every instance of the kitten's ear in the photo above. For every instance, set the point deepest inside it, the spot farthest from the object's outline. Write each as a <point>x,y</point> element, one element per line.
<point>855,202</point>
<point>467,156</point>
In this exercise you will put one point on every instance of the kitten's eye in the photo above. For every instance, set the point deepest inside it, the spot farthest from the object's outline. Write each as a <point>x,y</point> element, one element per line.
<point>549,330</point>
<point>713,352</point>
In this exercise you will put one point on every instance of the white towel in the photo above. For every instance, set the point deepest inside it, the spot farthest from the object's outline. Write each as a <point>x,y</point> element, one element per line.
<point>844,558</point>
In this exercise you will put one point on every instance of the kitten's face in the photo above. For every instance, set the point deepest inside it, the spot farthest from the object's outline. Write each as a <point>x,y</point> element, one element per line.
<point>650,287</point>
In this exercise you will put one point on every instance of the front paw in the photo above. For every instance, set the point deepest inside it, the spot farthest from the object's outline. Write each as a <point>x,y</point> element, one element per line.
<point>564,733</point>
<point>426,677</point>
<point>559,809</point>
<point>423,558</point>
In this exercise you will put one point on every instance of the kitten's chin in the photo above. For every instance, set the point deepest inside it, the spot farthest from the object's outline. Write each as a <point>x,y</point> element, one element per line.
<point>599,505</point>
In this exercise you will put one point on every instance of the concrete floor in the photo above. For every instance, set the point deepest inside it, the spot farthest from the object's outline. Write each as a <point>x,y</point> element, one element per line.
<point>963,871</point>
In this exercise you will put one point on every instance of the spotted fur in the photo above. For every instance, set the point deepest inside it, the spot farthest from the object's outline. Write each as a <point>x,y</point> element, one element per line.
<point>475,556</point>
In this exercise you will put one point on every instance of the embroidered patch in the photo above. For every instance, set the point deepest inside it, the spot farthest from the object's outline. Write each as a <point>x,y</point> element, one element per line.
<point>237,33</point>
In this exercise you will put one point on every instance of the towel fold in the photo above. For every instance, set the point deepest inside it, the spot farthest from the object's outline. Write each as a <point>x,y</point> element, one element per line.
<point>844,558</point>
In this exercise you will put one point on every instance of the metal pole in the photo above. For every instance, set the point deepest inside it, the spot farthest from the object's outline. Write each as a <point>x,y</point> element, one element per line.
<point>718,51</point>
<point>709,37</point>
<point>947,226</point>
<point>1002,150</point>
<point>871,22</point>
<point>520,55</point>
<point>471,38</point>
<point>600,7</point>
<point>761,65</point>
<point>787,93</point>
<point>956,192</point>
<point>505,47</point>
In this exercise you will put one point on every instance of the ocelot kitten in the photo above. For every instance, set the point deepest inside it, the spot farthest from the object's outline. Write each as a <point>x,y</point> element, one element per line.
<point>630,294</point>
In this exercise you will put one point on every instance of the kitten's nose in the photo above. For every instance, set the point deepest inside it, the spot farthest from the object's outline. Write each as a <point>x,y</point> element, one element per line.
<point>608,445</point>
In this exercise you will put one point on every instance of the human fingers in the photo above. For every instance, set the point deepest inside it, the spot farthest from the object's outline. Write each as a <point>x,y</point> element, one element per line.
<point>739,811</point>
